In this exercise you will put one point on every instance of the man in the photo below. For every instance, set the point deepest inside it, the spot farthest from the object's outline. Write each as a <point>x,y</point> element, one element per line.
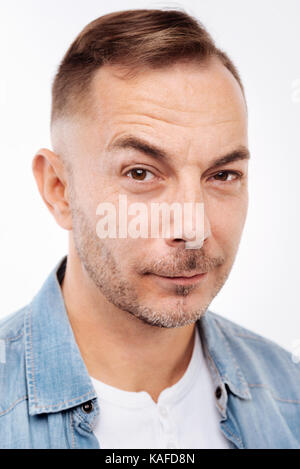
<point>119,349</point>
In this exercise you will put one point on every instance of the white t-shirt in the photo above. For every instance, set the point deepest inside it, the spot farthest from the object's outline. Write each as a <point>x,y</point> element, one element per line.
<point>185,416</point>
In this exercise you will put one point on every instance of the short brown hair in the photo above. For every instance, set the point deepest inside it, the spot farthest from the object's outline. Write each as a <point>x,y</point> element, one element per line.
<point>135,39</point>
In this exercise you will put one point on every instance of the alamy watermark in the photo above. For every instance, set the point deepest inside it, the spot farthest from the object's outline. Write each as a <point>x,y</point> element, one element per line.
<point>154,220</point>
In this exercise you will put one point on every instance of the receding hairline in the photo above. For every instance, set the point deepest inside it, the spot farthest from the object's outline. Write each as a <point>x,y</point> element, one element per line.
<point>64,125</point>
<point>82,106</point>
<point>134,40</point>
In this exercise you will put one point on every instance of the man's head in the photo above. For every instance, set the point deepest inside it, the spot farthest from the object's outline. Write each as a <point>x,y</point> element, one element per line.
<point>146,106</point>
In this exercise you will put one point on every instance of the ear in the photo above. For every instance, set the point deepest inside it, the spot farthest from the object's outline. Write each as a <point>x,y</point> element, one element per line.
<point>49,173</point>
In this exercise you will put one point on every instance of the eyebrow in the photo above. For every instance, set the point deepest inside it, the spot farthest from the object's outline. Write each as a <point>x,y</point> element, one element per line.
<point>136,143</point>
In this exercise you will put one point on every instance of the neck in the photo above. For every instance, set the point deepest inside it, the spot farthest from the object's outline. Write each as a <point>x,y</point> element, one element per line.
<point>118,348</point>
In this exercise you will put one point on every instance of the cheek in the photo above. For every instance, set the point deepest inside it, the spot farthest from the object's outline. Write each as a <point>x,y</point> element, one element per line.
<point>227,220</point>
<point>126,252</point>
<point>91,183</point>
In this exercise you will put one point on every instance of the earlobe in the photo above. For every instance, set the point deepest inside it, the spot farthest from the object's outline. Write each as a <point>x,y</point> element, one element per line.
<point>49,174</point>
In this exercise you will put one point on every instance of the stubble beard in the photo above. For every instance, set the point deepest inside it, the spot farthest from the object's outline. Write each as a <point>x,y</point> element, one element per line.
<point>102,268</point>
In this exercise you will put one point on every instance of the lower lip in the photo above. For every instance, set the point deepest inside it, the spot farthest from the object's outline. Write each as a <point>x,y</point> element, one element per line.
<point>183,280</point>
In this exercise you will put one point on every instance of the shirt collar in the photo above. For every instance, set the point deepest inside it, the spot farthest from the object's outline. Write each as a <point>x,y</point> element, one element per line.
<point>221,357</point>
<point>57,377</point>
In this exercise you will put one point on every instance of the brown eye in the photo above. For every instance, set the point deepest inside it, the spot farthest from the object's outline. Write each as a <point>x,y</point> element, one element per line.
<point>139,174</point>
<point>223,175</point>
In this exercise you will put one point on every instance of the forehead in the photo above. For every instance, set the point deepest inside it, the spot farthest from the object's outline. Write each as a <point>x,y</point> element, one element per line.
<point>189,110</point>
<point>186,94</point>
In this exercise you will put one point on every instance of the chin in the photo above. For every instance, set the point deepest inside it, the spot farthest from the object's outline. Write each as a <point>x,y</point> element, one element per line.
<point>179,304</point>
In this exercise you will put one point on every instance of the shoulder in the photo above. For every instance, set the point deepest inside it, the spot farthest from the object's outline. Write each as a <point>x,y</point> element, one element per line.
<point>240,334</point>
<point>263,362</point>
<point>13,324</point>
<point>13,387</point>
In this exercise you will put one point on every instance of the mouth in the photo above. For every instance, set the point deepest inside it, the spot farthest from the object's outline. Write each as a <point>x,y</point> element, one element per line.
<point>185,279</point>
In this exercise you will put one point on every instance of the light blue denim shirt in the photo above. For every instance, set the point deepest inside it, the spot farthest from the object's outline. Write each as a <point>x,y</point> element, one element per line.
<point>47,398</point>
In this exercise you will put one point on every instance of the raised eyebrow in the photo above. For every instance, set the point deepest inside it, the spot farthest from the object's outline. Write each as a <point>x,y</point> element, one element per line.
<point>129,141</point>
<point>240,153</point>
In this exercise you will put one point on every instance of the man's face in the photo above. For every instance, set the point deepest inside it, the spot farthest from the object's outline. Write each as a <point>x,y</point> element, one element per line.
<point>195,115</point>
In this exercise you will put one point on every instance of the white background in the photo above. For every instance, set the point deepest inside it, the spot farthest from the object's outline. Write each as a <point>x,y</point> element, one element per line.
<point>263,39</point>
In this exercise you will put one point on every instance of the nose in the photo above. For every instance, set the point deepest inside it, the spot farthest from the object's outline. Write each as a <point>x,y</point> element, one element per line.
<point>194,226</point>
<point>195,238</point>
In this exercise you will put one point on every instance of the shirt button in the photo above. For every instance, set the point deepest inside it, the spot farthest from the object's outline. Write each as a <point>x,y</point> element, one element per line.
<point>163,411</point>
<point>87,407</point>
<point>218,392</point>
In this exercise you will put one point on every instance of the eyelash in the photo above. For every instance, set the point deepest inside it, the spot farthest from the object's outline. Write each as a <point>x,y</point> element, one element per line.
<point>138,168</point>
<point>233,173</point>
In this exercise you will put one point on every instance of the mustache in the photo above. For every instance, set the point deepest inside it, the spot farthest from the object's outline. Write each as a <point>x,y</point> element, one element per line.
<point>183,262</point>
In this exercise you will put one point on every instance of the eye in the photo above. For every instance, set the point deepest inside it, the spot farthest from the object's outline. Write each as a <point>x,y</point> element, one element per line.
<point>140,174</point>
<point>222,176</point>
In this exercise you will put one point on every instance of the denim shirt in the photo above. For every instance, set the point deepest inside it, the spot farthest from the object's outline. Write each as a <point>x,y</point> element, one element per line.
<point>47,399</point>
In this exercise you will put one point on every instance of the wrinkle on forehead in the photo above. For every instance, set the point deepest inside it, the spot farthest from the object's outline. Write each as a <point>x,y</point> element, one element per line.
<point>176,103</point>
<point>133,119</point>
<point>201,96</point>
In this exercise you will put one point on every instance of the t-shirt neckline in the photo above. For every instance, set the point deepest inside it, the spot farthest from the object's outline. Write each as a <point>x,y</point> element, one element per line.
<point>169,395</point>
